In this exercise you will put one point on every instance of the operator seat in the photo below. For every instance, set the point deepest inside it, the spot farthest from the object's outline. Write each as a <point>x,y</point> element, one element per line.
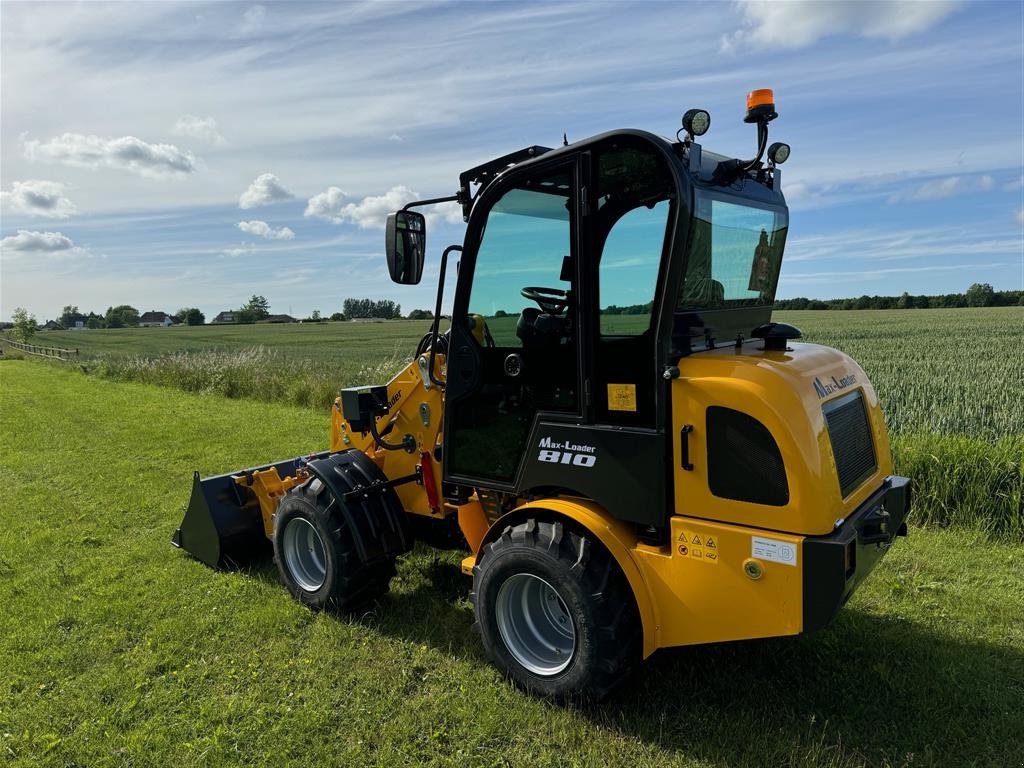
<point>542,329</point>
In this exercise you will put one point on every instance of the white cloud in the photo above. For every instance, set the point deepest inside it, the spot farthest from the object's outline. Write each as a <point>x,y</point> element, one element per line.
<point>242,250</point>
<point>252,20</point>
<point>936,189</point>
<point>897,245</point>
<point>1020,216</point>
<point>799,23</point>
<point>1013,186</point>
<point>266,189</point>
<point>27,241</point>
<point>38,198</point>
<point>327,205</point>
<point>264,230</point>
<point>829,278</point>
<point>126,153</point>
<point>372,211</point>
<point>51,244</point>
<point>448,212</point>
<point>940,188</point>
<point>204,128</point>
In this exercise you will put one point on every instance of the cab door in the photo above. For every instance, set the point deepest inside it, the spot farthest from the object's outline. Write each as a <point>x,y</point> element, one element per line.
<point>512,357</point>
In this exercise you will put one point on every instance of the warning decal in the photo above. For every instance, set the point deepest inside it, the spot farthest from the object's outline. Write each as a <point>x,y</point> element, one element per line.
<point>699,547</point>
<point>773,549</point>
<point>622,397</point>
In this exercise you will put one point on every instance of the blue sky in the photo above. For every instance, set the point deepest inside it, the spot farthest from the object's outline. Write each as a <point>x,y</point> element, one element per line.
<point>133,134</point>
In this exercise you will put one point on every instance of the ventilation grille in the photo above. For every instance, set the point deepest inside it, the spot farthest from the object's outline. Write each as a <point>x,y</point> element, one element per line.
<point>850,434</point>
<point>744,462</point>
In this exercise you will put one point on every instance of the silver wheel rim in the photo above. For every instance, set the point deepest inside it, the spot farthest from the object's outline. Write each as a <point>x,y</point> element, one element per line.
<point>304,554</point>
<point>535,625</point>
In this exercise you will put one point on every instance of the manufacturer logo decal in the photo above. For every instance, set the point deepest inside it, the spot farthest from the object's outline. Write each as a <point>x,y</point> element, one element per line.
<point>573,454</point>
<point>832,384</point>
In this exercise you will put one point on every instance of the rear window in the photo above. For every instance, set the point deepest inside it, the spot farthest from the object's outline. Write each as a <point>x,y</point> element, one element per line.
<point>734,255</point>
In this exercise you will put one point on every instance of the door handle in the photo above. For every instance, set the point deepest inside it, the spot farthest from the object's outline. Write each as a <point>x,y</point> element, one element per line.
<point>684,447</point>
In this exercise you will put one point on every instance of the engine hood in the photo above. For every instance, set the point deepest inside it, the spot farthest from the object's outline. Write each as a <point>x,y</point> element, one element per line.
<point>789,393</point>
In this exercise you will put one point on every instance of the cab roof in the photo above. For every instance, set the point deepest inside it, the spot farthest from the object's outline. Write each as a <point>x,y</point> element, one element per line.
<point>704,168</point>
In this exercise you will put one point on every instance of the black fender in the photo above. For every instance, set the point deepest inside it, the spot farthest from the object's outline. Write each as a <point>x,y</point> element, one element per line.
<point>367,501</point>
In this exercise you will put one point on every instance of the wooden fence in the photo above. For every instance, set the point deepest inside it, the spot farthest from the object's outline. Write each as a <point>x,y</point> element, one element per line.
<point>58,353</point>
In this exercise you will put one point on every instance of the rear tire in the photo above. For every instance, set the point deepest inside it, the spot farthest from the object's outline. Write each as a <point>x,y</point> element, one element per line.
<point>555,611</point>
<point>316,555</point>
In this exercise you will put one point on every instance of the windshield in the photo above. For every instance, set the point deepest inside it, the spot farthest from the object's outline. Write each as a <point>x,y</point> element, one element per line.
<point>734,256</point>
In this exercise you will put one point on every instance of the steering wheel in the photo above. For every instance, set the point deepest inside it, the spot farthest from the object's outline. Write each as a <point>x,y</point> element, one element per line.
<point>554,301</point>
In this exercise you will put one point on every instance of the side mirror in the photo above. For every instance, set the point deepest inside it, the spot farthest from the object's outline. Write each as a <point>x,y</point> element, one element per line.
<point>406,243</point>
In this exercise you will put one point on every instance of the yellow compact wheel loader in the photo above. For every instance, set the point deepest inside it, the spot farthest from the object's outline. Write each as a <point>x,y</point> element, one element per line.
<point>634,455</point>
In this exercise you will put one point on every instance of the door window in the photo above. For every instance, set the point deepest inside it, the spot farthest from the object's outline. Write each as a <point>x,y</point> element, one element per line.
<point>525,360</point>
<point>526,244</point>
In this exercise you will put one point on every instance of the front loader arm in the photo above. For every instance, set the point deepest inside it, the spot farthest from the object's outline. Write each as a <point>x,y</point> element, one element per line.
<point>415,408</point>
<point>230,516</point>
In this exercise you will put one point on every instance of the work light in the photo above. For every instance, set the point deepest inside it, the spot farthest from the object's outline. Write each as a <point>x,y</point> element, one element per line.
<point>696,122</point>
<point>778,153</point>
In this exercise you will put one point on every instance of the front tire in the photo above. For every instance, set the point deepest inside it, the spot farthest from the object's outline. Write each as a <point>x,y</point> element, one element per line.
<point>555,611</point>
<point>316,555</point>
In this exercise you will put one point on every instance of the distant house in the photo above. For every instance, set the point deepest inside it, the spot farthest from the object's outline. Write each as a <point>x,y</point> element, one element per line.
<point>157,320</point>
<point>279,319</point>
<point>225,318</point>
<point>51,325</point>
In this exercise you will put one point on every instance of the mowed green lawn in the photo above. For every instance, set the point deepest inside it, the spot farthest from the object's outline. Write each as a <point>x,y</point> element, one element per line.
<point>116,649</point>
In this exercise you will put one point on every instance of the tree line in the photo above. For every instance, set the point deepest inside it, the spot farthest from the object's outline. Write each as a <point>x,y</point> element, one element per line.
<point>978,295</point>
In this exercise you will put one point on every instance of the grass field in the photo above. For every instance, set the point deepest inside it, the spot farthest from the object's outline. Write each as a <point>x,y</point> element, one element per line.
<point>117,650</point>
<point>949,381</point>
<point>938,371</point>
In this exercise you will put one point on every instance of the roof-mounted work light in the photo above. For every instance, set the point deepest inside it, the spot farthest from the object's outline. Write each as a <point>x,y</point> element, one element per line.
<point>760,106</point>
<point>778,153</point>
<point>696,122</point>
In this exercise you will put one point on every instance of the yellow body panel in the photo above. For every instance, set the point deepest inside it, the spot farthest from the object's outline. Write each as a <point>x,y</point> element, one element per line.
<point>778,389</point>
<point>683,599</point>
<point>709,600</point>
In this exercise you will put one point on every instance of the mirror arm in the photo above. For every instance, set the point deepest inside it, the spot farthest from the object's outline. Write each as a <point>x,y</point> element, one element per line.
<point>431,201</point>
<point>435,328</point>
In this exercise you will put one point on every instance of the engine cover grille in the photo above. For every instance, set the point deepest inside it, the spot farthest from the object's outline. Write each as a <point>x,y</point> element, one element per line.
<point>850,435</point>
<point>744,462</point>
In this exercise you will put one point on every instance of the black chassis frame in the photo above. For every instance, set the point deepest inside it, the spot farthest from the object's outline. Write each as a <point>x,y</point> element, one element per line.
<point>640,490</point>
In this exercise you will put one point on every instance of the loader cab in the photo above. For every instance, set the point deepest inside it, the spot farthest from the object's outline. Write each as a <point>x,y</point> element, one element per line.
<point>564,259</point>
<point>594,267</point>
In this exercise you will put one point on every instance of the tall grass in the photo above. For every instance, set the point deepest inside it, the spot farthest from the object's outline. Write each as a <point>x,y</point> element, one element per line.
<point>954,409</point>
<point>256,373</point>
<point>965,482</point>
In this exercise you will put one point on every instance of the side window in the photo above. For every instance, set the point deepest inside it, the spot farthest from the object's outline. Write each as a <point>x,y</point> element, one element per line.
<point>629,270</point>
<point>633,209</point>
<point>526,245</point>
